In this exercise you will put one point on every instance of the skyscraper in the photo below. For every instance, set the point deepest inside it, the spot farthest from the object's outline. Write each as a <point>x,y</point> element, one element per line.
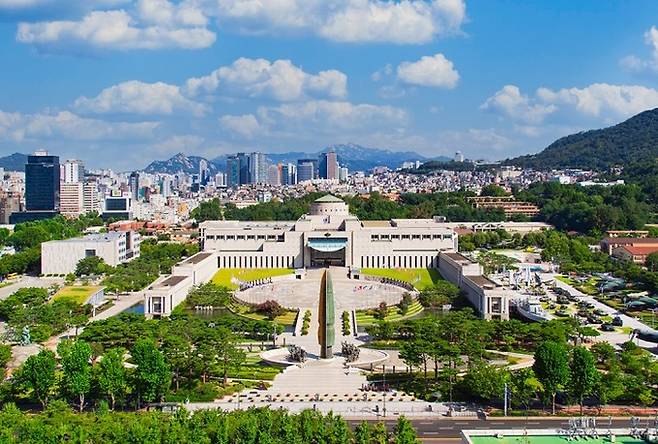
<point>307,174</point>
<point>258,172</point>
<point>328,166</point>
<point>288,174</point>
<point>42,176</point>
<point>233,171</point>
<point>74,171</point>
<point>134,186</point>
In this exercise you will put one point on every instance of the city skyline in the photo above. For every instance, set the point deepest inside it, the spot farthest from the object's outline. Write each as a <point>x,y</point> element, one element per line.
<point>147,79</point>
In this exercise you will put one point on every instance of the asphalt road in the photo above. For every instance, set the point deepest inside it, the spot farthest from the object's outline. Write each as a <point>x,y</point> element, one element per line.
<point>448,429</point>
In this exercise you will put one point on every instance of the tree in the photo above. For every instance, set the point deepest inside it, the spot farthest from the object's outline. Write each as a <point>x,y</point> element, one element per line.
<point>362,433</point>
<point>524,387</point>
<point>583,374</point>
<point>485,381</point>
<point>38,374</point>
<point>5,357</point>
<point>551,367</point>
<point>91,265</point>
<point>152,376</point>
<point>652,262</point>
<point>76,367</point>
<point>112,376</point>
<point>441,293</point>
<point>379,434</point>
<point>382,311</point>
<point>404,432</point>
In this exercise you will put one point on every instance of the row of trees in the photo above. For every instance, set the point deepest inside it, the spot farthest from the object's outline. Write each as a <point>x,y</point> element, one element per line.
<point>254,426</point>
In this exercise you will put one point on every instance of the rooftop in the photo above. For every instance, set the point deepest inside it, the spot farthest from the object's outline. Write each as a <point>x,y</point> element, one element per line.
<point>329,198</point>
<point>197,258</point>
<point>95,237</point>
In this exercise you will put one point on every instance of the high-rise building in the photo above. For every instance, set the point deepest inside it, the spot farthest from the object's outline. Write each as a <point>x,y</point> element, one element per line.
<point>117,207</point>
<point>244,168</point>
<point>74,171</point>
<point>71,199</point>
<point>288,174</point>
<point>204,172</point>
<point>10,202</point>
<point>90,201</point>
<point>233,171</point>
<point>342,174</point>
<point>133,182</point>
<point>459,157</point>
<point>305,171</point>
<point>305,175</point>
<point>165,187</point>
<point>328,165</point>
<point>274,175</point>
<point>42,176</point>
<point>258,168</point>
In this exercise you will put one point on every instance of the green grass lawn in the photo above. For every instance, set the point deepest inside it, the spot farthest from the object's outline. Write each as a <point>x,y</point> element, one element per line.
<point>255,368</point>
<point>76,294</point>
<point>287,318</point>
<point>224,276</point>
<point>548,439</point>
<point>367,317</point>
<point>420,278</point>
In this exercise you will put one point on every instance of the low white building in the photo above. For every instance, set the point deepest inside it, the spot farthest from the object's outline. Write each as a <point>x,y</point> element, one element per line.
<point>490,300</point>
<point>62,256</point>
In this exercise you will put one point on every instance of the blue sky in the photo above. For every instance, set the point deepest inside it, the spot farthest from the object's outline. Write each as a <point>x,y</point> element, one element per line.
<point>119,83</point>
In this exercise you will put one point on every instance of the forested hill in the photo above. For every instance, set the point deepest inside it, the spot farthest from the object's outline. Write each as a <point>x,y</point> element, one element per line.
<point>634,140</point>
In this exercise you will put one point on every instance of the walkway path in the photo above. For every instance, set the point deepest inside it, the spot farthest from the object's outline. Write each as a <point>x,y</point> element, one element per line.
<point>28,281</point>
<point>613,338</point>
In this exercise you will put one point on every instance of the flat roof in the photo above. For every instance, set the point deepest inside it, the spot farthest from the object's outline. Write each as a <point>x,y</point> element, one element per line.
<point>171,281</point>
<point>376,224</point>
<point>197,258</point>
<point>95,237</point>
<point>458,257</point>
<point>482,281</point>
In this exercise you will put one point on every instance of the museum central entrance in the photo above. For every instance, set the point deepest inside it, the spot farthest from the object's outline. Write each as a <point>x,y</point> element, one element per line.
<point>328,252</point>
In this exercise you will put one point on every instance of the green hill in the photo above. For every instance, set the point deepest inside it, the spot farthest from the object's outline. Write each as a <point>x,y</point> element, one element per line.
<point>634,140</point>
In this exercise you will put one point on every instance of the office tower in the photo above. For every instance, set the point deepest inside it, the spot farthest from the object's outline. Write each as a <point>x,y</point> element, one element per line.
<point>42,176</point>
<point>90,201</point>
<point>165,187</point>
<point>305,176</point>
<point>459,157</point>
<point>288,174</point>
<point>243,162</point>
<point>117,207</point>
<point>258,168</point>
<point>274,175</point>
<point>233,171</point>
<point>305,171</point>
<point>74,171</point>
<point>342,174</point>
<point>10,202</point>
<point>133,183</point>
<point>328,165</point>
<point>204,172</point>
<point>71,199</point>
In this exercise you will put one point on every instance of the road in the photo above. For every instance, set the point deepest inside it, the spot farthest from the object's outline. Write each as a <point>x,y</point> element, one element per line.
<point>28,281</point>
<point>449,429</point>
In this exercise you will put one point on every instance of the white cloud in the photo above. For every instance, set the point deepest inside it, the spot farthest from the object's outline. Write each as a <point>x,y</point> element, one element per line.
<point>177,144</point>
<point>634,63</point>
<point>477,141</point>
<point>66,125</point>
<point>116,29</point>
<point>69,4</point>
<point>163,12</point>
<point>246,125</point>
<point>603,99</point>
<point>140,98</point>
<point>434,71</point>
<point>279,80</point>
<point>331,115</point>
<point>510,102</point>
<point>403,22</point>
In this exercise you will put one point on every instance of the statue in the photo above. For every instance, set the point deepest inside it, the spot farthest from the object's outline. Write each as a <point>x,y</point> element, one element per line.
<point>25,336</point>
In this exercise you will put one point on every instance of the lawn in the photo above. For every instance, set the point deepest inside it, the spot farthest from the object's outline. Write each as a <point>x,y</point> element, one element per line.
<point>420,278</point>
<point>254,368</point>
<point>76,294</point>
<point>367,317</point>
<point>287,318</point>
<point>225,276</point>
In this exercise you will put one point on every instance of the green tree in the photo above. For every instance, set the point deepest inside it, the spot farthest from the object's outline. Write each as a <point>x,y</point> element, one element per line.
<point>404,432</point>
<point>583,374</point>
<point>362,433</point>
<point>652,262</point>
<point>379,434</point>
<point>76,367</point>
<point>92,265</point>
<point>551,367</point>
<point>524,387</point>
<point>5,357</point>
<point>112,376</point>
<point>38,375</point>
<point>152,376</point>
<point>485,381</point>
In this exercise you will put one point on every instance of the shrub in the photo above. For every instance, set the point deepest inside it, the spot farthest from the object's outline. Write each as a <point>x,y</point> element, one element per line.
<point>270,308</point>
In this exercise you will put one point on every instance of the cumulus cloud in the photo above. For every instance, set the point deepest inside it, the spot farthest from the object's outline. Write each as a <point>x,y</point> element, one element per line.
<point>635,63</point>
<point>177,144</point>
<point>140,98</point>
<point>18,127</point>
<point>279,80</point>
<point>511,102</point>
<point>403,22</point>
<point>160,25</point>
<point>331,114</point>
<point>246,125</point>
<point>603,99</point>
<point>475,140</point>
<point>433,71</point>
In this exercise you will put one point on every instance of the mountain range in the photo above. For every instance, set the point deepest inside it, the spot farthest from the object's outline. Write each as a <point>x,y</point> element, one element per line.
<point>354,157</point>
<point>633,141</point>
<point>14,162</point>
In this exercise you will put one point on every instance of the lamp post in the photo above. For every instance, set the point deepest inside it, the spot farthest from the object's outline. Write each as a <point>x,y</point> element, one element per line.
<point>384,387</point>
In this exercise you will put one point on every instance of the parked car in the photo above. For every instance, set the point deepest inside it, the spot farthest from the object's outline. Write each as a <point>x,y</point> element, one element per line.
<point>618,322</point>
<point>607,327</point>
